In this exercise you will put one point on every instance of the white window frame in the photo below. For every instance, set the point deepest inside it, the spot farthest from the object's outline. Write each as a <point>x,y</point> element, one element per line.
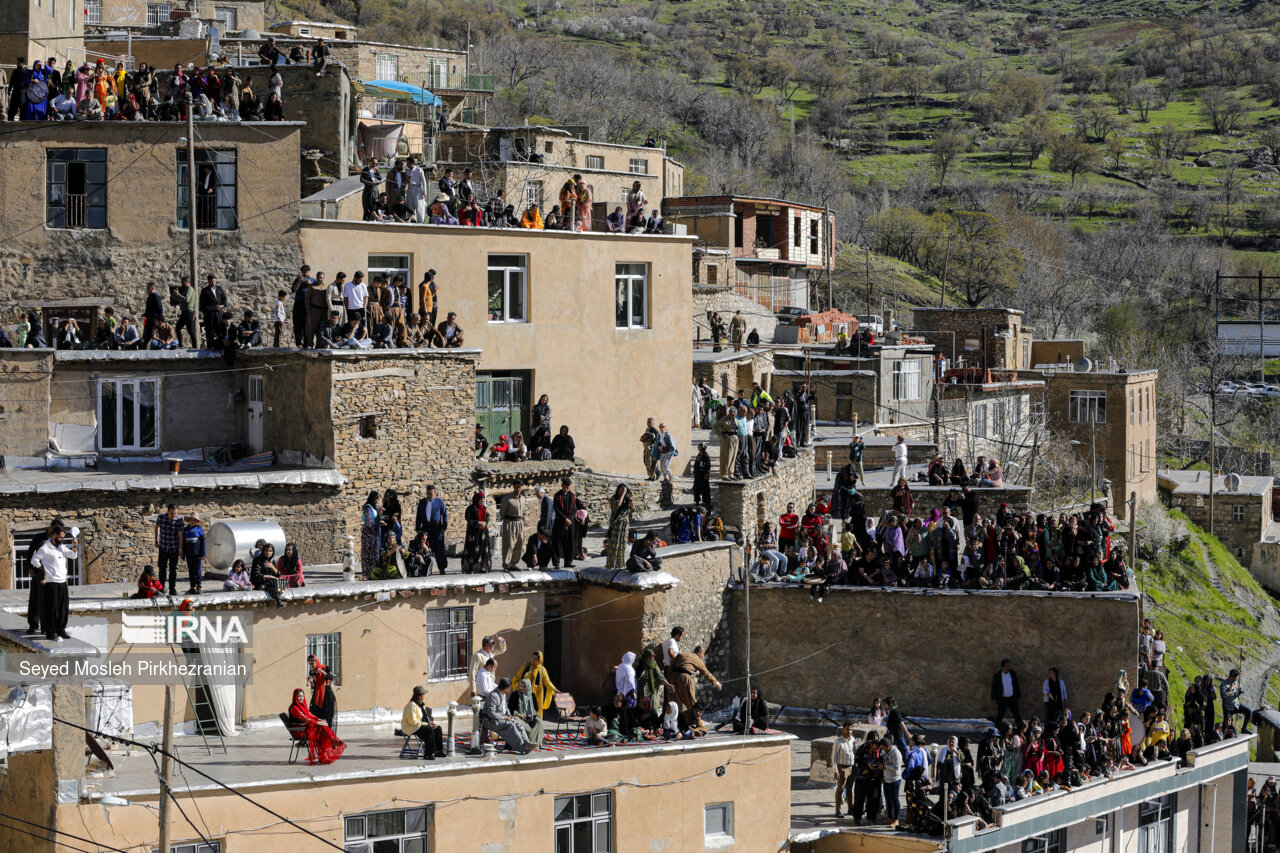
<point>451,633</point>
<point>404,269</point>
<point>120,382</point>
<point>727,832</point>
<point>1083,404</point>
<point>194,847</point>
<point>979,420</point>
<point>510,286</point>
<point>536,192</point>
<point>384,110</point>
<point>1054,842</point>
<point>601,817</point>
<point>1155,824</point>
<point>228,16</point>
<point>595,161</point>
<point>154,11</point>
<point>906,379</point>
<point>416,823</point>
<point>304,32</point>
<point>93,12</point>
<point>21,539</point>
<point>386,60</point>
<point>638,166</point>
<point>328,649</point>
<point>627,276</point>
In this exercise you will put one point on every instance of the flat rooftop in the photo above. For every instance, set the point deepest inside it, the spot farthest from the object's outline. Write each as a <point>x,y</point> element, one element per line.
<point>1197,483</point>
<point>155,476</point>
<point>258,758</point>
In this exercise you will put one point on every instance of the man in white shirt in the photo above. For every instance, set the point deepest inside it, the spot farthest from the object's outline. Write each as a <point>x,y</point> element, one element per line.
<point>842,752</point>
<point>671,647</point>
<point>490,647</point>
<point>899,461</point>
<point>52,557</point>
<point>1005,692</point>
<point>356,295</point>
<point>892,759</point>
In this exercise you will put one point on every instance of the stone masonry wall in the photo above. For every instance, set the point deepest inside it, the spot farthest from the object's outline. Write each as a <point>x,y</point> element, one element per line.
<point>746,504</point>
<point>726,301</point>
<point>592,489</point>
<point>699,604</point>
<point>422,409</point>
<point>928,498</point>
<point>117,528</point>
<point>727,377</point>
<point>935,652</point>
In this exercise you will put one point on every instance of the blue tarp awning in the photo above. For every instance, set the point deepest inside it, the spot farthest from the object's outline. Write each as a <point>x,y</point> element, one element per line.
<point>394,90</point>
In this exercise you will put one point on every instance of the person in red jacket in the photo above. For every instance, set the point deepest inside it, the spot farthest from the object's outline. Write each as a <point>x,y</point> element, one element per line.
<point>788,528</point>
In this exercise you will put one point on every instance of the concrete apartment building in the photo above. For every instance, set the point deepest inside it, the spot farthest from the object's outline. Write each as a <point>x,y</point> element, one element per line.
<point>79,235</point>
<point>1112,416</point>
<point>777,247</point>
<point>595,321</point>
<point>993,338</point>
<point>39,29</point>
<point>531,163</point>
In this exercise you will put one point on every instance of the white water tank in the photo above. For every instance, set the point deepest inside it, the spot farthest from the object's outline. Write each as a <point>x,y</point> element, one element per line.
<point>231,540</point>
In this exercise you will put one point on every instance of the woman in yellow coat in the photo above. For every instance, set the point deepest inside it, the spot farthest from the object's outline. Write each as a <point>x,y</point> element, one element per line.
<point>544,692</point>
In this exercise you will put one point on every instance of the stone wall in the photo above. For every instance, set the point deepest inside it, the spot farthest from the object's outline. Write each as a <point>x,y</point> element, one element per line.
<point>933,651</point>
<point>699,604</point>
<point>928,498</point>
<point>117,527</point>
<point>727,376</point>
<point>592,489</point>
<point>24,401</point>
<point>726,301</point>
<point>746,504</point>
<point>1238,536</point>
<point>1265,565</point>
<point>326,105</point>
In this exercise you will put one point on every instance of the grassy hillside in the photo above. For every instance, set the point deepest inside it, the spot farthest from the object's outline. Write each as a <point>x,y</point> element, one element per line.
<point>1213,613</point>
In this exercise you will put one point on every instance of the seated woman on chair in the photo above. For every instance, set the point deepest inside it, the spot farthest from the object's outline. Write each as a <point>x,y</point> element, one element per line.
<point>323,746</point>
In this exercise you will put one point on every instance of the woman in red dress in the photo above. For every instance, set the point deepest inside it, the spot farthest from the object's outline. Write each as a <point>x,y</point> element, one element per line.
<point>323,746</point>
<point>1033,753</point>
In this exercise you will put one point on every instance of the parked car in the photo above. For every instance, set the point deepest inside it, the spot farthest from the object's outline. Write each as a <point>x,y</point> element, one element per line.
<point>872,322</point>
<point>1228,388</point>
<point>786,316</point>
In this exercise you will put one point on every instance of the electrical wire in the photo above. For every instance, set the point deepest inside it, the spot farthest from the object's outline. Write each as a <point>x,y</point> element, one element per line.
<point>99,844</point>
<point>54,841</point>
<point>158,749</point>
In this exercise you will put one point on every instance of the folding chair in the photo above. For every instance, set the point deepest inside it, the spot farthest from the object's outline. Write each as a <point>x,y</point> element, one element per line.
<point>567,709</point>
<point>407,751</point>
<point>297,737</point>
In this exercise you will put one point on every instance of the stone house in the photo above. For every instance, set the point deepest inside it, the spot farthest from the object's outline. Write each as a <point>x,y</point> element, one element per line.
<point>778,247</point>
<point>531,163</point>
<point>1111,416</point>
<point>90,435</point>
<point>595,321</point>
<point>727,371</point>
<point>228,15</point>
<point>97,210</point>
<point>990,414</point>
<point>993,338</point>
<point>894,385</point>
<point>1241,512</point>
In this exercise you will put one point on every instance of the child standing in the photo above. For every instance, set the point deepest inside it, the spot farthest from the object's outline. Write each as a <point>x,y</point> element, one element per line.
<point>24,329</point>
<point>193,550</point>
<point>277,315</point>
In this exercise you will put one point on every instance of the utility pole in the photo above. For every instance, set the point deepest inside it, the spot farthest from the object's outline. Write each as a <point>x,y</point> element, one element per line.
<point>746,701</point>
<point>867,252</point>
<point>828,250</point>
<point>192,218</point>
<point>937,402</point>
<point>166,762</point>
<point>1133,533</point>
<point>946,262</point>
<point>1262,324</point>
<point>1213,407</point>
<point>1031,474</point>
<point>1093,451</point>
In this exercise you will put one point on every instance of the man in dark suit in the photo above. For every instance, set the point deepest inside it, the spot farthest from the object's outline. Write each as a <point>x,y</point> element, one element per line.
<point>213,299</point>
<point>1005,692</point>
<point>433,519</point>
<point>152,314</point>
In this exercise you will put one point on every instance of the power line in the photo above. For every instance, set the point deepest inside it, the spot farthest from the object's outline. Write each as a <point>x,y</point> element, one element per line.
<point>157,749</point>
<point>98,844</point>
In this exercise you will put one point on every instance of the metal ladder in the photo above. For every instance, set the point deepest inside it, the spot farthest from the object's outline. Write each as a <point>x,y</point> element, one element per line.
<point>201,707</point>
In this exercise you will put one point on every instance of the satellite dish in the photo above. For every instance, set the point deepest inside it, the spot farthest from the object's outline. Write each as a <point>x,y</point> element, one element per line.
<point>1232,482</point>
<point>1082,365</point>
<point>250,34</point>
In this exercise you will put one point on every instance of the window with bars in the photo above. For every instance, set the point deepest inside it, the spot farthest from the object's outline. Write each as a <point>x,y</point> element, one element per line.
<point>979,417</point>
<point>1155,825</point>
<point>158,13</point>
<point>22,540</point>
<point>127,414</point>
<point>448,642</point>
<point>906,379</point>
<point>632,285</point>
<point>584,823</point>
<point>387,66</point>
<point>1085,407</point>
<point>76,187</point>
<point>93,11</point>
<point>508,277</point>
<point>227,16</point>
<point>328,651</point>
<point>398,831</point>
<point>535,193</point>
<point>717,819</point>
<point>595,162</point>
<point>215,189</point>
